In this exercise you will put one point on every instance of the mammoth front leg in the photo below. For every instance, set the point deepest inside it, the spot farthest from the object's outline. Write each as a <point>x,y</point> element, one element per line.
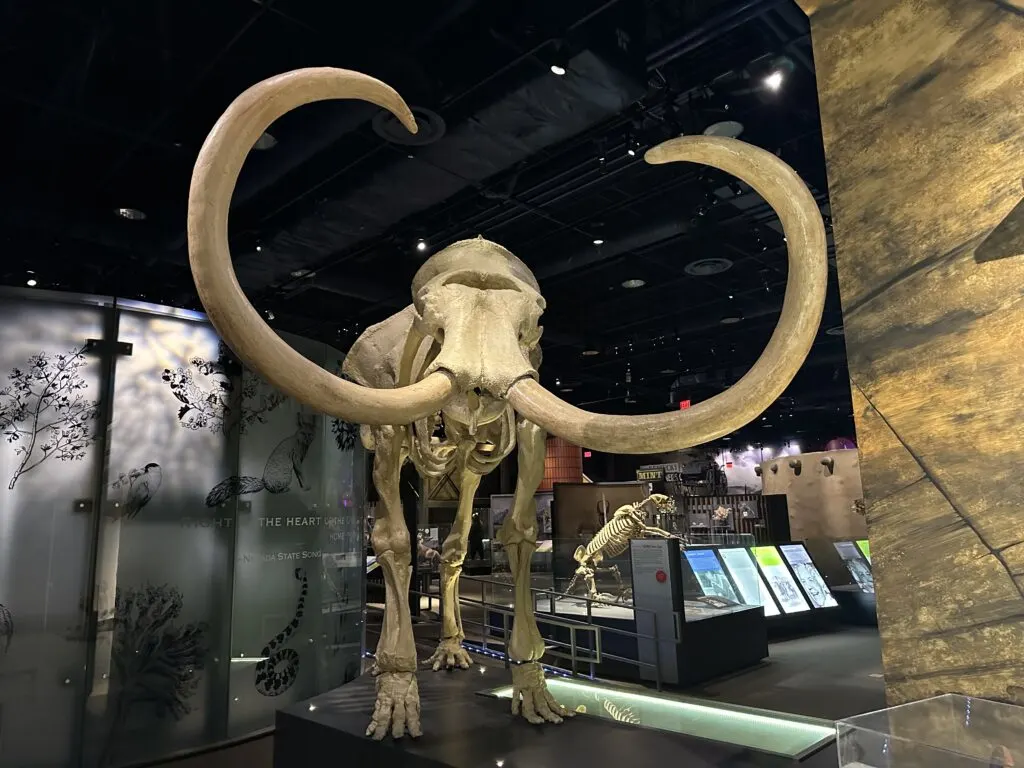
<point>398,698</point>
<point>450,653</point>
<point>518,535</point>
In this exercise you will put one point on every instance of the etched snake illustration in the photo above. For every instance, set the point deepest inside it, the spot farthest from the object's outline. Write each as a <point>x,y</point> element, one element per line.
<point>280,666</point>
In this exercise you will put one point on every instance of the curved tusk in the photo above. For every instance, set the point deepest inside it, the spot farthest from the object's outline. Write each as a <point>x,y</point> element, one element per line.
<point>804,302</point>
<point>238,323</point>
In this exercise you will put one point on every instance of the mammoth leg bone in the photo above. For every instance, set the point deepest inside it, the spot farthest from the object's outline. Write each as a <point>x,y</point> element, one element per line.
<point>518,535</point>
<point>450,653</point>
<point>398,698</point>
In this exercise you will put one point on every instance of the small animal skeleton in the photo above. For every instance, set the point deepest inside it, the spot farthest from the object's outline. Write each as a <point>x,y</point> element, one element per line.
<point>628,522</point>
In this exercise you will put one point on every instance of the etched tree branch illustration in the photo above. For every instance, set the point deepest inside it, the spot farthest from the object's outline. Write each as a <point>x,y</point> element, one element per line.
<point>208,391</point>
<point>44,411</point>
<point>157,663</point>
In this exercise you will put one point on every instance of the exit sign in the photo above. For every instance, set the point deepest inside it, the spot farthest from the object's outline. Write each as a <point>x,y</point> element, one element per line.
<point>684,404</point>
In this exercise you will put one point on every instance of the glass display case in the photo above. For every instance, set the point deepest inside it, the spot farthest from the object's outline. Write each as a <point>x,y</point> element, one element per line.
<point>790,736</point>
<point>856,563</point>
<point>951,731</point>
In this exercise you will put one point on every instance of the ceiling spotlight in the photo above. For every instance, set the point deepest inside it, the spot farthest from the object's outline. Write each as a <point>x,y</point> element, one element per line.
<point>297,273</point>
<point>557,69</point>
<point>270,315</point>
<point>132,214</point>
<point>559,60</point>
<point>730,296</point>
<point>774,81</point>
<point>598,241</point>
<point>565,389</point>
<point>265,141</point>
<point>590,350</point>
<point>634,282</point>
<point>31,282</point>
<point>259,248</point>
<point>421,245</point>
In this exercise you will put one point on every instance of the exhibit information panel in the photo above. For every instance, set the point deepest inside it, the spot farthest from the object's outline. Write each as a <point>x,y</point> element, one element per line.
<point>710,574</point>
<point>807,574</point>
<point>855,564</point>
<point>749,582</point>
<point>779,579</point>
<point>865,548</point>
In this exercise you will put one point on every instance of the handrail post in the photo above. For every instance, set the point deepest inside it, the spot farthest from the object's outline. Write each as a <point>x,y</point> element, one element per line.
<point>505,640</point>
<point>572,648</point>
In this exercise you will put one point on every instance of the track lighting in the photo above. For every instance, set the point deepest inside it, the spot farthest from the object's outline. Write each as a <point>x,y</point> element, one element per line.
<point>774,81</point>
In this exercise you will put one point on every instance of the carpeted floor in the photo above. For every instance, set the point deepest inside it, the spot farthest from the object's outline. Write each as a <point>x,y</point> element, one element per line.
<point>830,676</point>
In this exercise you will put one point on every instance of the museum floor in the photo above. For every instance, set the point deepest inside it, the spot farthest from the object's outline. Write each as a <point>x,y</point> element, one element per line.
<point>829,676</point>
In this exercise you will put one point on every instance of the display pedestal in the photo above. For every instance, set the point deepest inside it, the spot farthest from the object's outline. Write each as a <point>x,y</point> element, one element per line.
<point>465,730</point>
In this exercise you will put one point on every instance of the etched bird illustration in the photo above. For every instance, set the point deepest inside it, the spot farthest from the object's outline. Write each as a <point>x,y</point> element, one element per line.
<point>284,463</point>
<point>138,487</point>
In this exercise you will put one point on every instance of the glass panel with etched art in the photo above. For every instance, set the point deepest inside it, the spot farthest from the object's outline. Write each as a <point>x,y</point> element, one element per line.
<point>163,567</point>
<point>50,406</point>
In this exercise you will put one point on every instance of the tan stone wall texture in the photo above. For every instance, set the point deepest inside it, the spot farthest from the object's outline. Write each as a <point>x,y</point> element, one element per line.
<point>820,499</point>
<point>922,105</point>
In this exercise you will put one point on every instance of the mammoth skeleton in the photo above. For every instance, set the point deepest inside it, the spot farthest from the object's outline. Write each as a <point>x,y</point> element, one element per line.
<point>466,349</point>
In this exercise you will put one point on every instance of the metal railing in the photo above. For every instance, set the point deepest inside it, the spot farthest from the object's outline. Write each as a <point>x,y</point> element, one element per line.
<point>570,651</point>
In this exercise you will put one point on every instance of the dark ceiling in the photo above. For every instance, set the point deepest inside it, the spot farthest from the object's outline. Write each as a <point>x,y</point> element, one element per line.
<point>110,100</point>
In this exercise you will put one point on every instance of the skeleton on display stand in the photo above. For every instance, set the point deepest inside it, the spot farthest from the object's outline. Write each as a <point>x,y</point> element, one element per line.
<point>628,522</point>
<point>466,350</point>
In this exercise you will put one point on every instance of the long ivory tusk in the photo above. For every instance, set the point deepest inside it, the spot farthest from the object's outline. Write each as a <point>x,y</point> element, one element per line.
<point>786,351</point>
<point>239,324</point>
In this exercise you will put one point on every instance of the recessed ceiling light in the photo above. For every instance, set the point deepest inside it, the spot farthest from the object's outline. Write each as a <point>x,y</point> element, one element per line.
<point>265,141</point>
<point>598,241</point>
<point>31,282</point>
<point>132,214</point>
<point>259,249</point>
<point>774,81</point>
<point>730,320</point>
<point>634,282</point>
<point>557,69</point>
<point>705,267</point>
<point>728,128</point>
<point>421,245</point>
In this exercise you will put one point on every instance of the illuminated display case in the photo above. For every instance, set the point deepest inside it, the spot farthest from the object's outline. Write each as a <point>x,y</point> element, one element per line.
<point>856,563</point>
<point>807,574</point>
<point>180,545</point>
<point>865,547</point>
<point>948,730</point>
<point>783,579</point>
<point>748,580</point>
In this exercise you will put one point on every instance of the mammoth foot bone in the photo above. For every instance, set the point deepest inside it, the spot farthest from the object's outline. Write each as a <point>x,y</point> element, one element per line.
<point>449,655</point>
<point>398,706</point>
<point>531,697</point>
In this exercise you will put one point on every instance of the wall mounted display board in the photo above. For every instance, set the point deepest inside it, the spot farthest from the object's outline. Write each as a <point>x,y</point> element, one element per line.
<point>780,580</point>
<point>865,549</point>
<point>855,563</point>
<point>807,574</point>
<point>740,565</point>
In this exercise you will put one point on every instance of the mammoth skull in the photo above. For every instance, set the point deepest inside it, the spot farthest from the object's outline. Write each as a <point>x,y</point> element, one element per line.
<point>481,305</point>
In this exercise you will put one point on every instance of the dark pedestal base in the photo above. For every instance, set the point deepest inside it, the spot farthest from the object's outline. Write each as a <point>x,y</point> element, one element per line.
<point>466,730</point>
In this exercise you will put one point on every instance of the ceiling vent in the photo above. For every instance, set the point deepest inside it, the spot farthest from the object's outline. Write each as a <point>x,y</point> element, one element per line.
<point>431,128</point>
<point>705,267</point>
